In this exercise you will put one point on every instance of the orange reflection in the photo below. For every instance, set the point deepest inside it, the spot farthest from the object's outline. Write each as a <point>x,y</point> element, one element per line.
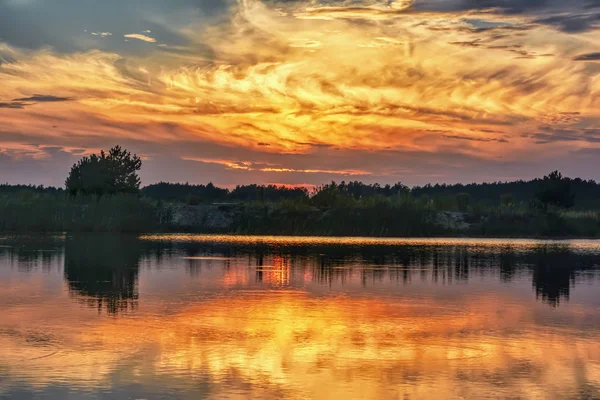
<point>290,342</point>
<point>517,244</point>
<point>278,274</point>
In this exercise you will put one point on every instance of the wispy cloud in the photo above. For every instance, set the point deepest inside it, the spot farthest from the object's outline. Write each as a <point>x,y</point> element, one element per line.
<point>476,139</point>
<point>287,83</point>
<point>13,105</point>
<point>354,11</point>
<point>101,34</point>
<point>139,36</point>
<point>252,166</point>
<point>40,98</point>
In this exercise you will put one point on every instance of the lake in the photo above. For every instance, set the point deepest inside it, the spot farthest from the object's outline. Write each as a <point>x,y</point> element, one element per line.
<point>234,317</point>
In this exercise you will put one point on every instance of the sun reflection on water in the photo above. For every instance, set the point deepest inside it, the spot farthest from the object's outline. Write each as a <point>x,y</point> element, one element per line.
<point>264,325</point>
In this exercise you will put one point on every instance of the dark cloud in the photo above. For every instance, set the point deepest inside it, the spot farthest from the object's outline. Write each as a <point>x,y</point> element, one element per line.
<point>572,23</point>
<point>32,100</point>
<point>528,54</point>
<point>507,6</point>
<point>550,134</point>
<point>592,4</point>
<point>12,104</point>
<point>40,98</point>
<point>510,6</point>
<point>588,57</point>
<point>568,16</point>
<point>469,43</point>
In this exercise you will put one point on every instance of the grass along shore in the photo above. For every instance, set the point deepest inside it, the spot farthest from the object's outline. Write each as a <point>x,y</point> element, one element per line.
<point>395,216</point>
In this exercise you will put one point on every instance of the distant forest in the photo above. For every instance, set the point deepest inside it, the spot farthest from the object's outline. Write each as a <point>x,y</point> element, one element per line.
<point>103,193</point>
<point>586,192</point>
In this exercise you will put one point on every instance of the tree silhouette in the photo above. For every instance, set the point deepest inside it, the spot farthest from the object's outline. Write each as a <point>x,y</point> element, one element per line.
<point>115,172</point>
<point>555,190</point>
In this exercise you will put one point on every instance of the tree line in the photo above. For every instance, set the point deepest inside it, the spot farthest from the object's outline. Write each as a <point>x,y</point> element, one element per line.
<point>116,172</point>
<point>552,190</point>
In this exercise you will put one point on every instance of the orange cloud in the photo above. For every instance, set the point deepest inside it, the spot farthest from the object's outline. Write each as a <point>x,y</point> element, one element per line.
<point>279,83</point>
<point>250,166</point>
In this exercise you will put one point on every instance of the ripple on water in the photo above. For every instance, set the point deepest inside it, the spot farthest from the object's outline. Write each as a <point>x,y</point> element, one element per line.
<point>28,346</point>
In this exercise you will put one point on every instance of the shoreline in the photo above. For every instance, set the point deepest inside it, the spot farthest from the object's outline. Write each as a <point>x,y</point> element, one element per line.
<point>373,220</point>
<point>177,235</point>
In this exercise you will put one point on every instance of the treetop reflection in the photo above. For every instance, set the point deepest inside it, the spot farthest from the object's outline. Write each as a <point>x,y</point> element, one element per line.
<point>255,319</point>
<point>103,270</point>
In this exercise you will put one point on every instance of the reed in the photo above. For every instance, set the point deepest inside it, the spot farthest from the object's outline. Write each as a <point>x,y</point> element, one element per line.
<point>400,215</point>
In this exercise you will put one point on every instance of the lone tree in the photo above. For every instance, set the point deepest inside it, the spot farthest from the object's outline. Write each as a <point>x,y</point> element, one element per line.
<point>112,173</point>
<point>555,190</point>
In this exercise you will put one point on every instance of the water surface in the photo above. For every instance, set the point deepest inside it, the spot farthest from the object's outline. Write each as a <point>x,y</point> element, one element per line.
<point>88,316</point>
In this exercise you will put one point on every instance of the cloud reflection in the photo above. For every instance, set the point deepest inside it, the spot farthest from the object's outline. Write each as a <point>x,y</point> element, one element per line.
<point>273,317</point>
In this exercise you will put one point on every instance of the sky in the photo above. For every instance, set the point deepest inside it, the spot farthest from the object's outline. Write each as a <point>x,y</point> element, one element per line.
<point>302,92</point>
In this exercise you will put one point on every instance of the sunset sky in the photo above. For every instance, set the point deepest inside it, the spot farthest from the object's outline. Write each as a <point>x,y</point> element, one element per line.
<point>302,92</point>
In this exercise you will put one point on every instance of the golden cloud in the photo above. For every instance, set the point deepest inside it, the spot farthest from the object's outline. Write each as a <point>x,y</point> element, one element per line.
<point>138,36</point>
<point>284,84</point>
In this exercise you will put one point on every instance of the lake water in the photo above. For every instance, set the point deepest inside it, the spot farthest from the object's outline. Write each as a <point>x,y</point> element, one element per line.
<point>203,317</point>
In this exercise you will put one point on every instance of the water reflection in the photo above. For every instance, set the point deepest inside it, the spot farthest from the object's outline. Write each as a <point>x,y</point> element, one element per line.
<point>102,271</point>
<point>212,317</point>
<point>554,267</point>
